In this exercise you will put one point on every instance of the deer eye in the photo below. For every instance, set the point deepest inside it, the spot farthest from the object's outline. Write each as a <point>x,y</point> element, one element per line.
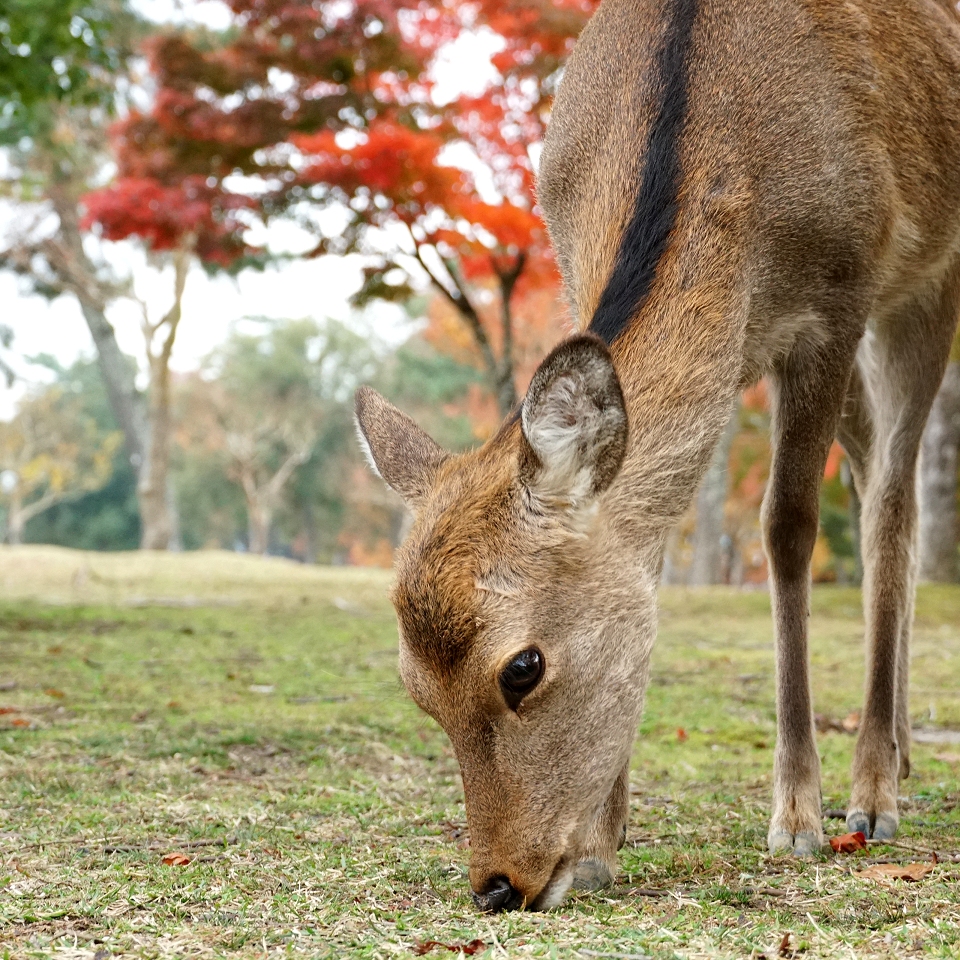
<point>521,675</point>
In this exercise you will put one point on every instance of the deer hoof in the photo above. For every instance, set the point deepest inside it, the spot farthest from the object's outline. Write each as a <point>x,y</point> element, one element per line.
<point>884,826</point>
<point>781,842</point>
<point>592,875</point>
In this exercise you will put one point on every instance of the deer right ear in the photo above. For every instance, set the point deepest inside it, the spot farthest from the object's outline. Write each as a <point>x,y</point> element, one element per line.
<point>398,450</point>
<point>574,425</point>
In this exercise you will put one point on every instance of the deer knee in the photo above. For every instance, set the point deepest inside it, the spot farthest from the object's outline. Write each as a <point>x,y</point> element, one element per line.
<point>790,532</point>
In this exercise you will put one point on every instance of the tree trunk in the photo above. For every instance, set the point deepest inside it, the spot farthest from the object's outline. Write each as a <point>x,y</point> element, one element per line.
<point>152,488</point>
<point>77,274</point>
<point>16,521</point>
<point>118,377</point>
<point>258,527</point>
<point>708,547</point>
<point>846,477</point>
<point>938,483</point>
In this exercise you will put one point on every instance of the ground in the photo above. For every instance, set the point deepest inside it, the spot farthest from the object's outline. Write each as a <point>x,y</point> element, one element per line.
<point>246,715</point>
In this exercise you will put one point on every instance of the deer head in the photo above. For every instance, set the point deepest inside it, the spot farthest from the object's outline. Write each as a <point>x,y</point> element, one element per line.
<point>526,621</point>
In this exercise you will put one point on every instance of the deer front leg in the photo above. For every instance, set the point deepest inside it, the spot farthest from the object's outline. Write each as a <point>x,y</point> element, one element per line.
<point>808,390</point>
<point>598,864</point>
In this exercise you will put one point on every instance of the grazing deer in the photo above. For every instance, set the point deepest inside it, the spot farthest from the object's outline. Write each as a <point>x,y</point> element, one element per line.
<point>734,188</point>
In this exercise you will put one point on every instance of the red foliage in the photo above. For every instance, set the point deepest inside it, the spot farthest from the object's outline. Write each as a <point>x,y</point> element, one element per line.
<point>167,216</point>
<point>273,99</point>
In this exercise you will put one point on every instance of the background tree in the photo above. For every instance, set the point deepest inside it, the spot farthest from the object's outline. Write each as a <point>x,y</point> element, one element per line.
<point>108,517</point>
<point>49,452</point>
<point>710,562</point>
<point>179,220</point>
<point>335,107</point>
<point>53,51</point>
<point>939,465</point>
<point>272,393</point>
<point>53,134</point>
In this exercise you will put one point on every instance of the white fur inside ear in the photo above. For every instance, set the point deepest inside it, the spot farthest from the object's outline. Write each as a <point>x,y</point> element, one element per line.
<point>365,448</point>
<point>562,430</point>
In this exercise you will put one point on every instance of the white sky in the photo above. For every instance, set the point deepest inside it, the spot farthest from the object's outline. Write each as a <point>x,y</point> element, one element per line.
<point>317,288</point>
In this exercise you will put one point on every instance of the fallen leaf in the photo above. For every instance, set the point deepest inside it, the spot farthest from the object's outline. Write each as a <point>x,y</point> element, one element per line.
<point>681,734</point>
<point>896,871</point>
<point>851,722</point>
<point>849,842</point>
<point>20,722</point>
<point>53,692</point>
<point>175,860</point>
<point>474,946</point>
<point>6,710</point>
<point>784,949</point>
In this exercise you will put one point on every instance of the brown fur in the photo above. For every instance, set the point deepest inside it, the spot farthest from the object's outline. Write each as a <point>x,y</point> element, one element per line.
<point>817,242</point>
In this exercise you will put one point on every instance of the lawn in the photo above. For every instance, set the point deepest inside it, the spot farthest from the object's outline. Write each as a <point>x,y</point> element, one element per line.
<point>245,715</point>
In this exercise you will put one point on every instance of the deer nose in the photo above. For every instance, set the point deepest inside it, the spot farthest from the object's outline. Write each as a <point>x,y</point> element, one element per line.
<point>498,895</point>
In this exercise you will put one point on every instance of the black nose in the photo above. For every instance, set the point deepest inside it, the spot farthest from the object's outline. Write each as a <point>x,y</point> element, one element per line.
<point>498,896</point>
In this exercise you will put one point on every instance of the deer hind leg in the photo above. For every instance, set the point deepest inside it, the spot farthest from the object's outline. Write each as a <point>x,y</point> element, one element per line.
<point>809,386</point>
<point>598,865</point>
<point>907,357</point>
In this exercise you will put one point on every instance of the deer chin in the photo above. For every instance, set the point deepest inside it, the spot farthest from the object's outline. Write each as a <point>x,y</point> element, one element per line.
<point>557,886</point>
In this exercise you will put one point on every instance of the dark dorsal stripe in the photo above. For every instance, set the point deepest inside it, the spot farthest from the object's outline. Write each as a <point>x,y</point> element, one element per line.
<point>655,211</point>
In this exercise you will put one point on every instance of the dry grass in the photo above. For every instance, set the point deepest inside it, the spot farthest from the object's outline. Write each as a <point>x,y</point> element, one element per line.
<point>246,714</point>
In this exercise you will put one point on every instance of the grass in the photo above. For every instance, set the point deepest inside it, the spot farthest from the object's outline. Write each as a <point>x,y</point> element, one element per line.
<point>247,714</point>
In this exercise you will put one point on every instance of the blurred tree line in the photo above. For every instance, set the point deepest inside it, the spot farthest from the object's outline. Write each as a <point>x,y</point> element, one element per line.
<point>264,456</point>
<point>189,142</point>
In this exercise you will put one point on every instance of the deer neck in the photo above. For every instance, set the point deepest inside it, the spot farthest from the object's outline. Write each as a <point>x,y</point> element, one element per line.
<point>681,366</point>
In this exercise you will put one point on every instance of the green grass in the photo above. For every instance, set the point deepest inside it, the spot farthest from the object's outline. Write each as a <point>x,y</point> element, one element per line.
<point>247,714</point>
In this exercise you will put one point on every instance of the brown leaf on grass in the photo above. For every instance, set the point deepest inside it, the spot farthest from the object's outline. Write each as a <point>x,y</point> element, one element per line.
<point>53,692</point>
<point>6,710</point>
<point>851,722</point>
<point>681,734</point>
<point>474,946</point>
<point>849,842</point>
<point>913,872</point>
<point>20,722</point>
<point>784,949</point>
<point>175,860</point>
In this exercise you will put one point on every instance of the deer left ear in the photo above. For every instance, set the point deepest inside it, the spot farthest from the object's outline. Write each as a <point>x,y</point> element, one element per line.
<point>405,456</point>
<point>574,425</point>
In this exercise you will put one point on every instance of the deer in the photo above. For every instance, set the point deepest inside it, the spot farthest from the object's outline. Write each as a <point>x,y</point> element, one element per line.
<point>733,189</point>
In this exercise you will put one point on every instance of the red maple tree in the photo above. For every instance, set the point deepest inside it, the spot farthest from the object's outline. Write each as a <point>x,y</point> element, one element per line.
<point>303,106</point>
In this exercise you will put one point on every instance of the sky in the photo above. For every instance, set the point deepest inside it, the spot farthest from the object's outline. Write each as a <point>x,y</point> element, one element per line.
<point>318,288</point>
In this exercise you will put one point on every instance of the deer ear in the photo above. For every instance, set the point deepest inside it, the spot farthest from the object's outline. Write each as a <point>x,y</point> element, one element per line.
<point>398,450</point>
<point>574,425</point>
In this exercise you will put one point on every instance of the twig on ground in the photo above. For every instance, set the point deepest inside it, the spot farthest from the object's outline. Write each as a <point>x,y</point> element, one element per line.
<point>618,956</point>
<point>924,851</point>
<point>72,840</point>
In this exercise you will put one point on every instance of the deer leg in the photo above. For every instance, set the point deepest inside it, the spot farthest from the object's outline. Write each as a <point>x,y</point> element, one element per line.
<point>809,386</point>
<point>908,357</point>
<point>598,865</point>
